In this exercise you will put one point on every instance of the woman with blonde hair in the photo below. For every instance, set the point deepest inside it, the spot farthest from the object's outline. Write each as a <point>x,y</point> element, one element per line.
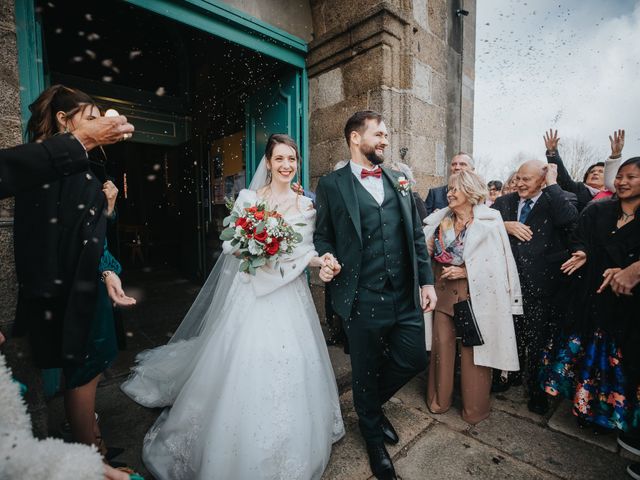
<point>473,261</point>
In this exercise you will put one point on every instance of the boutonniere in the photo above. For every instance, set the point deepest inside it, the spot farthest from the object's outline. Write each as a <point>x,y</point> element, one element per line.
<point>403,186</point>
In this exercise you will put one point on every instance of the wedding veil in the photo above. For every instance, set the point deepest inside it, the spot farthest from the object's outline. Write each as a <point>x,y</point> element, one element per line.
<point>160,373</point>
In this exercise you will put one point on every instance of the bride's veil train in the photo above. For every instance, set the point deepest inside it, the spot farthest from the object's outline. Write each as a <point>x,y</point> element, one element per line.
<point>159,374</point>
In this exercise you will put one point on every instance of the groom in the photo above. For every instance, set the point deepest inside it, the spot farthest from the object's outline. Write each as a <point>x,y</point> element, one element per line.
<point>369,222</point>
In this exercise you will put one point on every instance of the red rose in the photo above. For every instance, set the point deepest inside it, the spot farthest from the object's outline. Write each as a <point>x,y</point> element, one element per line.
<point>259,215</point>
<point>273,247</point>
<point>260,237</point>
<point>253,209</point>
<point>241,222</point>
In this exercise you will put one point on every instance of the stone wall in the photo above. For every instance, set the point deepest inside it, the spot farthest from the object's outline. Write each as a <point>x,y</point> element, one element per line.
<point>412,60</point>
<point>10,134</point>
<point>16,349</point>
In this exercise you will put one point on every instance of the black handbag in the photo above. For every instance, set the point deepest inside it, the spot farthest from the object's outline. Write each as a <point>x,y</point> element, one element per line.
<point>466,325</point>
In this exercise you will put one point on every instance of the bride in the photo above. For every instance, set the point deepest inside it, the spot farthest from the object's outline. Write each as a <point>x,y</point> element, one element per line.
<point>246,377</point>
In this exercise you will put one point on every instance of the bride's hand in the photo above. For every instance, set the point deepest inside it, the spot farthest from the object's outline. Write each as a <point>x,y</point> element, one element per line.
<point>320,261</point>
<point>329,268</point>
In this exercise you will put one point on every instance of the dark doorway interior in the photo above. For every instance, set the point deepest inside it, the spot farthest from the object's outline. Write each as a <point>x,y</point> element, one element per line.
<point>161,72</point>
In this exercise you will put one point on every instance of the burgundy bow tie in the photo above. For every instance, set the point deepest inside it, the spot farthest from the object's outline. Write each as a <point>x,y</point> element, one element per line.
<point>371,173</point>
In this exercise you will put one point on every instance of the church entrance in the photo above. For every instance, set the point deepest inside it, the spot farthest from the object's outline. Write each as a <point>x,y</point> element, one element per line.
<point>203,95</point>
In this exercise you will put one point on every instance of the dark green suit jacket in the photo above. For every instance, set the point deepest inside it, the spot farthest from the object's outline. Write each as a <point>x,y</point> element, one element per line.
<point>338,231</point>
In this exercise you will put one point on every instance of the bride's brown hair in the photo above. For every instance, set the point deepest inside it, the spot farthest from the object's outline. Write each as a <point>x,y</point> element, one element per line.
<point>57,98</point>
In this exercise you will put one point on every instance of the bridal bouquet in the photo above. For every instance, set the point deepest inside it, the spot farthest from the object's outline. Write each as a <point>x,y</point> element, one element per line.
<point>260,235</point>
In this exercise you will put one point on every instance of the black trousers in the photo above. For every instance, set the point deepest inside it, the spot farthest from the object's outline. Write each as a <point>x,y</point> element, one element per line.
<point>534,331</point>
<point>386,339</point>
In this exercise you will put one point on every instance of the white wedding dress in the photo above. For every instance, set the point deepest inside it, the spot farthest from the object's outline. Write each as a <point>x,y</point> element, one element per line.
<point>247,377</point>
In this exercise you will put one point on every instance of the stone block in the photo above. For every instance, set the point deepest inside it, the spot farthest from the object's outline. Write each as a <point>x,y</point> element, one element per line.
<point>328,123</point>
<point>8,282</point>
<point>565,422</point>
<point>422,81</point>
<point>430,49</point>
<point>420,13</point>
<point>426,119</point>
<point>10,131</point>
<point>326,89</point>
<point>438,15</point>
<point>9,81</point>
<point>367,71</point>
<point>550,451</point>
<point>439,90</point>
<point>7,11</point>
<point>324,156</point>
<point>452,455</point>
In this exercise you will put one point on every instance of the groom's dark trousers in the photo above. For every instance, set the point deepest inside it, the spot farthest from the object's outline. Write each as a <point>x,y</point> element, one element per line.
<point>384,324</point>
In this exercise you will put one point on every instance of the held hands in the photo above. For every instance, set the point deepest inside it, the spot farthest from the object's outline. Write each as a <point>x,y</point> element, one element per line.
<point>519,230</point>
<point>111,192</point>
<point>551,140</point>
<point>115,292</point>
<point>329,267</point>
<point>102,131</point>
<point>617,143</point>
<point>428,298</point>
<point>577,260</point>
<point>454,273</point>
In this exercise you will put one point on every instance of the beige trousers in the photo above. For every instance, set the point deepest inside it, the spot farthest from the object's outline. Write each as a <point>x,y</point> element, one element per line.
<point>475,380</point>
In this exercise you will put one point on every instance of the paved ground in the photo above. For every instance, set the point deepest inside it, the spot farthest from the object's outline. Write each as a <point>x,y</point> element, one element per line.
<point>511,444</point>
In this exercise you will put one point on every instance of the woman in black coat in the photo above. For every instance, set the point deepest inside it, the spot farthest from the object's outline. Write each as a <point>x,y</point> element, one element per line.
<point>598,362</point>
<point>61,256</point>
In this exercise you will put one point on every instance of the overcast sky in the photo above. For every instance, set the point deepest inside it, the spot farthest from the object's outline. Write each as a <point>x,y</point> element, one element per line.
<point>570,65</point>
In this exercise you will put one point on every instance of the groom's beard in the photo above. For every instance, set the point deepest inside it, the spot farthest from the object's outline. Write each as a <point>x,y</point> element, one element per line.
<point>371,155</point>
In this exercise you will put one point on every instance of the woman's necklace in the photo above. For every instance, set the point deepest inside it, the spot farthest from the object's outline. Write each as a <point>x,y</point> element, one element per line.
<point>626,216</point>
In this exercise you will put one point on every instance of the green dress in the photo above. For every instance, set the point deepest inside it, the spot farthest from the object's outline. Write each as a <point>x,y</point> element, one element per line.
<point>102,346</point>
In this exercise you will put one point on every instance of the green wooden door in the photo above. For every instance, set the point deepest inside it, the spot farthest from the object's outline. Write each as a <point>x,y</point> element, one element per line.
<point>275,108</point>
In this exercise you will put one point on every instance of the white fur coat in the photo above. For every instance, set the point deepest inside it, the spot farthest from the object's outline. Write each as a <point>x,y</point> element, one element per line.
<point>22,456</point>
<point>494,286</point>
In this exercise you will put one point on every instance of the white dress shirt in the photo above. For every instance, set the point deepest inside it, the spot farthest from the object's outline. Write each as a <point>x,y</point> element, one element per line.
<point>372,185</point>
<point>533,202</point>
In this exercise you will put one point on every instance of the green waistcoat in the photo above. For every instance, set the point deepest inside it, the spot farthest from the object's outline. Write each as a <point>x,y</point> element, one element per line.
<point>384,242</point>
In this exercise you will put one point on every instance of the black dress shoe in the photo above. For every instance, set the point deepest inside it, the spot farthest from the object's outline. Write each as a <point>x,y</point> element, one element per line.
<point>538,403</point>
<point>380,462</point>
<point>390,434</point>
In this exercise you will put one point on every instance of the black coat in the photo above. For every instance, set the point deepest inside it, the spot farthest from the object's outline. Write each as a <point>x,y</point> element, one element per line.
<point>436,199</point>
<point>27,166</point>
<point>59,234</point>
<point>565,181</point>
<point>552,220</point>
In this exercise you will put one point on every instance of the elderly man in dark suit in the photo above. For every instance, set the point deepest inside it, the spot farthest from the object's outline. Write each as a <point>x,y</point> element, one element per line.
<point>437,197</point>
<point>539,221</point>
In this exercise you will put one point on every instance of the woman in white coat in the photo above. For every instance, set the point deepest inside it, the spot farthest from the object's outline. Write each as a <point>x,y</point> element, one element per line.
<point>472,260</point>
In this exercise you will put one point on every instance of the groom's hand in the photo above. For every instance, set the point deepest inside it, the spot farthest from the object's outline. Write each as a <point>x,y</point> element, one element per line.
<point>428,298</point>
<point>329,268</point>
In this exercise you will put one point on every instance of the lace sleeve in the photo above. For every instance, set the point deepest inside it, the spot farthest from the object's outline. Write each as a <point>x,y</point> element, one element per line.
<point>108,262</point>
